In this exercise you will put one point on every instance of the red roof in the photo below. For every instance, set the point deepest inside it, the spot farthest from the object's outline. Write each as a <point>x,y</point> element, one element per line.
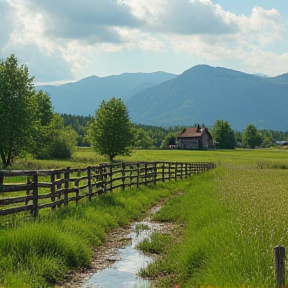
<point>192,132</point>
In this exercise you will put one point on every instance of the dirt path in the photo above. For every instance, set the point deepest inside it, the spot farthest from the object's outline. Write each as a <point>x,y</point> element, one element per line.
<point>104,256</point>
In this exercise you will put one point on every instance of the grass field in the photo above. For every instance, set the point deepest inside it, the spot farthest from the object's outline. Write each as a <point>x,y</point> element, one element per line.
<point>234,216</point>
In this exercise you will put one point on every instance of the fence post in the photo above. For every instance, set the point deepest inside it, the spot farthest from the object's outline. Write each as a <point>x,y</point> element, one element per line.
<point>138,174</point>
<point>155,173</point>
<point>123,176</point>
<point>66,185</point>
<point>279,258</point>
<point>52,179</point>
<point>89,182</point>
<point>186,170</point>
<point>28,182</point>
<point>35,195</point>
<point>145,173</point>
<point>163,172</point>
<point>189,168</point>
<point>176,168</point>
<point>111,176</point>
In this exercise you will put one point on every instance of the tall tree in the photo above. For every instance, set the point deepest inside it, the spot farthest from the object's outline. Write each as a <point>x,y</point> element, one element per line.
<point>110,132</point>
<point>62,139</point>
<point>251,137</point>
<point>223,135</point>
<point>16,113</point>
<point>43,111</point>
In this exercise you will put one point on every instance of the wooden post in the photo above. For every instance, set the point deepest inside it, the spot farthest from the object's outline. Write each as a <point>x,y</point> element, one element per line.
<point>279,258</point>
<point>35,195</point>
<point>186,170</point>
<point>58,177</point>
<point>28,182</point>
<point>163,172</point>
<point>169,171</point>
<point>89,182</point>
<point>66,186</point>
<point>155,173</point>
<point>76,186</point>
<point>123,176</point>
<point>111,176</point>
<point>52,179</point>
<point>145,173</point>
<point>176,168</point>
<point>138,174</point>
<point>181,173</point>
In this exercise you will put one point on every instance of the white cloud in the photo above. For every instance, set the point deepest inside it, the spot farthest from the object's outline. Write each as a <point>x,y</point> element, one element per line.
<point>72,34</point>
<point>183,17</point>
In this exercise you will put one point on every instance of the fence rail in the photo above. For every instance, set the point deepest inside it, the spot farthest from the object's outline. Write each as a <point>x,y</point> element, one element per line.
<point>35,190</point>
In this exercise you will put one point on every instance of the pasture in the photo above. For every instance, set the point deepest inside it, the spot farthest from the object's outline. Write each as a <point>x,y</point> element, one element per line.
<point>233,216</point>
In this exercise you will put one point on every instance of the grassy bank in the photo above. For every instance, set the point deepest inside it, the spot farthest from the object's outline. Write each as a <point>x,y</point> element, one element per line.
<point>37,254</point>
<point>234,217</point>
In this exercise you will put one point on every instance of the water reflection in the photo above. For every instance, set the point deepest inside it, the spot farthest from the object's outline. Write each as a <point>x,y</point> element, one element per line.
<point>123,273</point>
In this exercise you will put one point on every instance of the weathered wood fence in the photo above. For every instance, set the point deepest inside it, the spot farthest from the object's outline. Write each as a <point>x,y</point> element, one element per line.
<point>36,190</point>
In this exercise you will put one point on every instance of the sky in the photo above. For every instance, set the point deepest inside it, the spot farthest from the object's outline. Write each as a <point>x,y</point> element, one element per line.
<point>67,40</point>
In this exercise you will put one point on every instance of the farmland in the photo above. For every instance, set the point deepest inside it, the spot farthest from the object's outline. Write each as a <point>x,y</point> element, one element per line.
<point>233,216</point>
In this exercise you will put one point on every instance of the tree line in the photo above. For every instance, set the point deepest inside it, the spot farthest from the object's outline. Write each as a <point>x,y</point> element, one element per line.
<point>29,125</point>
<point>226,138</point>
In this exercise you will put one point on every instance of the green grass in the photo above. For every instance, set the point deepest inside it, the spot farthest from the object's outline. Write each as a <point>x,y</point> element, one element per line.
<point>38,253</point>
<point>233,216</point>
<point>156,244</point>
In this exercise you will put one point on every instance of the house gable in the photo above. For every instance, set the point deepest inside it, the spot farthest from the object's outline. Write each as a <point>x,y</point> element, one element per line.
<point>195,138</point>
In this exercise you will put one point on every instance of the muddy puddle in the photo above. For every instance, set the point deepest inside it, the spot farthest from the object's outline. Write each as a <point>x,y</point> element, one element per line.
<point>124,271</point>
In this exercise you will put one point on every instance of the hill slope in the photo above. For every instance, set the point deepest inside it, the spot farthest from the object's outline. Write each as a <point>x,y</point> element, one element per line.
<point>83,97</point>
<point>204,94</point>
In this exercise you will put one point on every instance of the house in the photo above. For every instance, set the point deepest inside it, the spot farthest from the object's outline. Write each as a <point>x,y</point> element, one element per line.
<point>195,138</point>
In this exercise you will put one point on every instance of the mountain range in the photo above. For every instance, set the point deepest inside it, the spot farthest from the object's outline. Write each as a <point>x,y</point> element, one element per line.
<point>83,97</point>
<point>201,94</point>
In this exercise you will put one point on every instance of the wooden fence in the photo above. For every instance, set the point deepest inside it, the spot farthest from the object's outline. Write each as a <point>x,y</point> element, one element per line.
<point>36,190</point>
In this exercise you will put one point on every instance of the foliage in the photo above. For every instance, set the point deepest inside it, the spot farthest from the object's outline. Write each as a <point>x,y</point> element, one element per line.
<point>157,133</point>
<point>223,135</point>
<point>251,137</point>
<point>141,138</point>
<point>42,128</point>
<point>170,139</point>
<point>110,132</point>
<point>79,124</point>
<point>63,140</point>
<point>16,111</point>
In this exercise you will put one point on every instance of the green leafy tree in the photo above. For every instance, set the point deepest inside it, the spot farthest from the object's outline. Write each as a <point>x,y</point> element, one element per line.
<point>62,139</point>
<point>223,135</point>
<point>16,109</point>
<point>43,115</point>
<point>251,137</point>
<point>141,138</point>
<point>110,131</point>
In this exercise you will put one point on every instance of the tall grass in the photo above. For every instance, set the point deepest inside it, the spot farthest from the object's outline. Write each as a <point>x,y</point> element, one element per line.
<point>234,217</point>
<point>39,253</point>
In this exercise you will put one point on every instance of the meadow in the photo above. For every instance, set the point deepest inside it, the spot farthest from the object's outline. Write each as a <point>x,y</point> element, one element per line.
<point>233,215</point>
